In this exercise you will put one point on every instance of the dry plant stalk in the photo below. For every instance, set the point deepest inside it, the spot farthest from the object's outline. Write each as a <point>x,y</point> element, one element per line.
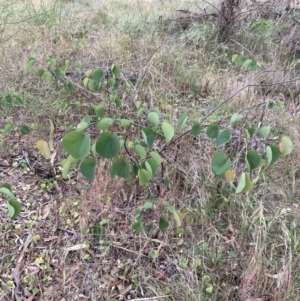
<point>226,18</point>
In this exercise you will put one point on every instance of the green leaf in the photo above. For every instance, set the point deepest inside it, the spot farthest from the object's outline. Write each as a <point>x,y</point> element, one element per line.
<point>98,75</point>
<point>99,111</point>
<point>252,159</point>
<point>148,205</point>
<point>6,185</point>
<point>271,105</point>
<point>88,168</point>
<point>264,132</point>
<point>125,122</point>
<point>220,164</point>
<point>148,136</point>
<point>213,131</point>
<point>163,223</point>
<point>144,176</point>
<point>47,77</point>
<point>30,63</point>
<point>182,121</point>
<point>288,145</point>
<point>153,118</point>
<point>120,168</point>
<point>249,132</point>
<point>105,123</point>
<point>223,138</point>
<point>93,85</point>
<point>196,129</point>
<point>235,118</point>
<point>6,189</point>
<point>168,131</point>
<point>98,232</point>
<point>58,72</point>
<point>141,151</point>
<point>116,71</point>
<point>41,72</point>
<point>273,153</point>
<point>137,227</point>
<point>84,124</point>
<point>153,254</point>
<point>209,288</point>
<point>70,87</point>
<point>151,166</point>
<point>245,183</point>
<point>14,208</point>
<point>108,145</point>
<point>25,130</point>
<point>65,164</point>
<point>156,156</point>
<point>7,127</point>
<point>77,144</point>
<point>178,218</point>
<point>118,102</point>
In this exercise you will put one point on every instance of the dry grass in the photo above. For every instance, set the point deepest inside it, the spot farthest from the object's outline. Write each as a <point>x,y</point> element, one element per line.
<point>242,247</point>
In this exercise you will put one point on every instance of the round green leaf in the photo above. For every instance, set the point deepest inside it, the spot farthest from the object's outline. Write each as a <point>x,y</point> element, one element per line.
<point>252,159</point>
<point>273,153</point>
<point>47,77</point>
<point>25,130</point>
<point>148,136</point>
<point>41,72</point>
<point>235,118</point>
<point>88,168</point>
<point>153,118</point>
<point>163,223</point>
<point>288,145</point>
<point>213,131</point>
<point>245,183</point>
<point>153,254</point>
<point>93,85</point>
<point>223,138</point>
<point>77,144</point>
<point>99,111</point>
<point>271,105</point>
<point>249,132</point>
<point>125,122</point>
<point>30,63</point>
<point>108,145</point>
<point>70,87</point>
<point>156,156</point>
<point>105,123</point>
<point>168,131</point>
<point>137,226</point>
<point>141,151</point>
<point>116,71</point>
<point>14,208</point>
<point>120,168</point>
<point>144,176</point>
<point>58,72</point>
<point>151,166</point>
<point>7,127</point>
<point>196,129</point>
<point>98,75</point>
<point>264,132</point>
<point>220,164</point>
<point>182,121</point>
<point>209,288</point>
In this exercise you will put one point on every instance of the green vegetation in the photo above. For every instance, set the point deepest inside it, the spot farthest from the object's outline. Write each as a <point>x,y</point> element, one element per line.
<point>161,141</point>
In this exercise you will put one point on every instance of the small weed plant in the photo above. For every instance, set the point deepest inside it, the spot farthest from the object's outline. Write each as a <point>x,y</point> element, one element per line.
<point>138,141</point>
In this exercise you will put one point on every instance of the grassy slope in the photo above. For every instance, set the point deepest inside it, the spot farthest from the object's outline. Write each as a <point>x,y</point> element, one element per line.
<point>244,247</point>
